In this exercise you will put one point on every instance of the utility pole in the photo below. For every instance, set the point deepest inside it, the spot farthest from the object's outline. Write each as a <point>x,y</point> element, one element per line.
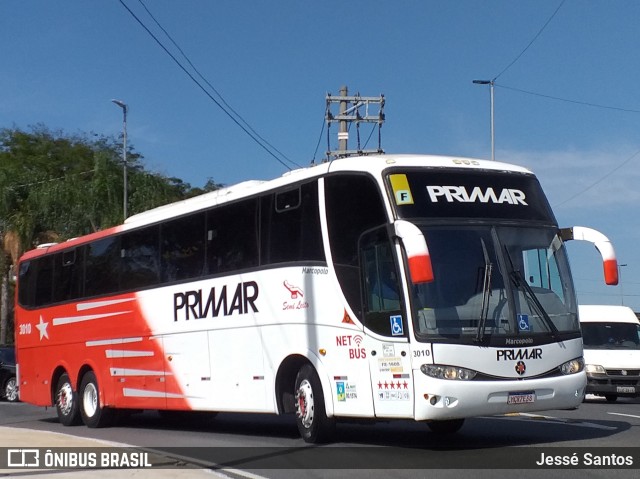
<point>620,266</point>
<point>124,107</point>
<point>349,111</point>
<point>491,83</point>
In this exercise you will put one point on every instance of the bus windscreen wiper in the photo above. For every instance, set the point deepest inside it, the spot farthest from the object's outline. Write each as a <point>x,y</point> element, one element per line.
<point>486,292</point>
<point>530,295</point>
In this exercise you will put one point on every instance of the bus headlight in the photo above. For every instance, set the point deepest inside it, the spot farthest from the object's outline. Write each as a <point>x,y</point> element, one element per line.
<point>447,372</point>
<point>572,367</point>
<point>595,369</point>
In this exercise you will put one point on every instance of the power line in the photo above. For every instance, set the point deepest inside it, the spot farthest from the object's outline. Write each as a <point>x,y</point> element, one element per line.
<point>319,140</point>
<point>531,42</point>
<point>595,105</point>
<point>599,180</point>
<point>253,136</point>
<point>66,177</point>
<point>578,102</point>
<point>212,87</point>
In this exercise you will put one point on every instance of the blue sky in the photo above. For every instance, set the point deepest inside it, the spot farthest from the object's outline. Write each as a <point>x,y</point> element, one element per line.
<point>274,62</point>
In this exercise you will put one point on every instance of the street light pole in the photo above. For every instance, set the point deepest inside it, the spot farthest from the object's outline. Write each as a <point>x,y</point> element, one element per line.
<point>620,283</point>
<point>123,105</point>
<point>491,83</point>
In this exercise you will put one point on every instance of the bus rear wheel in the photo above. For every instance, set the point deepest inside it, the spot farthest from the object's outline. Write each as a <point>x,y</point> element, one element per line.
<point>311,417</point>
<point>448,426</point>
<point>67,402</point>
<point>92,412</point>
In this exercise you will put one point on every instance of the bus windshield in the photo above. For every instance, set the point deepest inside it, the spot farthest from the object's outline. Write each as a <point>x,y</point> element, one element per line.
<point>494,282</point>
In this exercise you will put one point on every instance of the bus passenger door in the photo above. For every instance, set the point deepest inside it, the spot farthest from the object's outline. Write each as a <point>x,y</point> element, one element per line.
<point>385,321</point>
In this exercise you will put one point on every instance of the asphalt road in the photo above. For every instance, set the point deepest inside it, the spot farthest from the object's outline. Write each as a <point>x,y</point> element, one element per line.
<point>269,446</point>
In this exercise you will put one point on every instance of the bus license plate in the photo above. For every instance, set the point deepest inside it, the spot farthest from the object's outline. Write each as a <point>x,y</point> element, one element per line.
<point>626,389</point>
<point>521,398</point>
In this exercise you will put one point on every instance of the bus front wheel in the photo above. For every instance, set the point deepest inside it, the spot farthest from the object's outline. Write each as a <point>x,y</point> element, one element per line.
<point>67,402</point>
<point>93,413</point>
<point>311,417</point>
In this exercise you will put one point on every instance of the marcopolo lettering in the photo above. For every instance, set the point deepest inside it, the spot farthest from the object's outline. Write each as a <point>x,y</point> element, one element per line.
<point>460,194</point>
<point>518,354</point>
<point>216,302</point>
<point>308,270</point>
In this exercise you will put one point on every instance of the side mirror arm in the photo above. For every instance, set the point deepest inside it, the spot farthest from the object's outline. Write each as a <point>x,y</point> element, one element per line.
<point>416,249</point>
<point>602,244</point>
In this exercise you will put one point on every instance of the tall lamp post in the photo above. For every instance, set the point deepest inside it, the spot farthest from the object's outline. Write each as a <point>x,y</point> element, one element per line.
<point>123,105</point>
<point>491,83</point>
<point>620,282</point>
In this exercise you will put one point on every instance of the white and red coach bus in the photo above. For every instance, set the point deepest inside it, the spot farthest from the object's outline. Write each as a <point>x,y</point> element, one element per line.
<point>396,286</point>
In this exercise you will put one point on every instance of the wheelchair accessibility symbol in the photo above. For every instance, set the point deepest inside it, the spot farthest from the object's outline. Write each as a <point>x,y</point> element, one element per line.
<point>523,322</point>
<point>396,325</point>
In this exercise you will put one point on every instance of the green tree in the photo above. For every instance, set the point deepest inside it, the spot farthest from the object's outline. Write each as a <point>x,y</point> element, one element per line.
<point>55,186</point>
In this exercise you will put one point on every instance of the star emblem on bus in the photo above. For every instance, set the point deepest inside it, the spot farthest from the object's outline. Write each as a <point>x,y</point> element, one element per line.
<point>42,327</point>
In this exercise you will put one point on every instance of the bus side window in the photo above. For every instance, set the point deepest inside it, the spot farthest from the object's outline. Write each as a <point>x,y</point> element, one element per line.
<point>102,270</point>
<point>140,258</point>
<point>354,205</point>
<point>183,245</point>
<point>69,274</point>
<point>381,289</point>
<point>26,277</point>
<point>290,226</point>
<point>44,281</point>
<point>382,286</point>
<point>232,237</point>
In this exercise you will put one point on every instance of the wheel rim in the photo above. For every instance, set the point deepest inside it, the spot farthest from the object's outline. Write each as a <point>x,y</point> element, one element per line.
<point>11,390</point>
<point>65,399</point>
<point>90,400</point>
<point>304,404</point>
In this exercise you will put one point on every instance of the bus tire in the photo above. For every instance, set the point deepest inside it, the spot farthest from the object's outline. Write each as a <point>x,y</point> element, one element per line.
<point>448,426</point>
<point>93,414</point>
<point>311,417</point>
<point>67,402</point>
<point>611,397</point>
<point>11,389</point>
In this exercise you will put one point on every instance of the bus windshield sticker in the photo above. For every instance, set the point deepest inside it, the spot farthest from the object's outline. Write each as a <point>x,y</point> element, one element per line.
<point>396,325</point>
<point>401,190</point>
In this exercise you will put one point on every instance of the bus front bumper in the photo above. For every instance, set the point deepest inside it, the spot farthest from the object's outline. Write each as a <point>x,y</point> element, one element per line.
<point>439,399</point>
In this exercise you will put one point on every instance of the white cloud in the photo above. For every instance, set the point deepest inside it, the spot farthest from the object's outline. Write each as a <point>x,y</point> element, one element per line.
<point>590,179</point>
